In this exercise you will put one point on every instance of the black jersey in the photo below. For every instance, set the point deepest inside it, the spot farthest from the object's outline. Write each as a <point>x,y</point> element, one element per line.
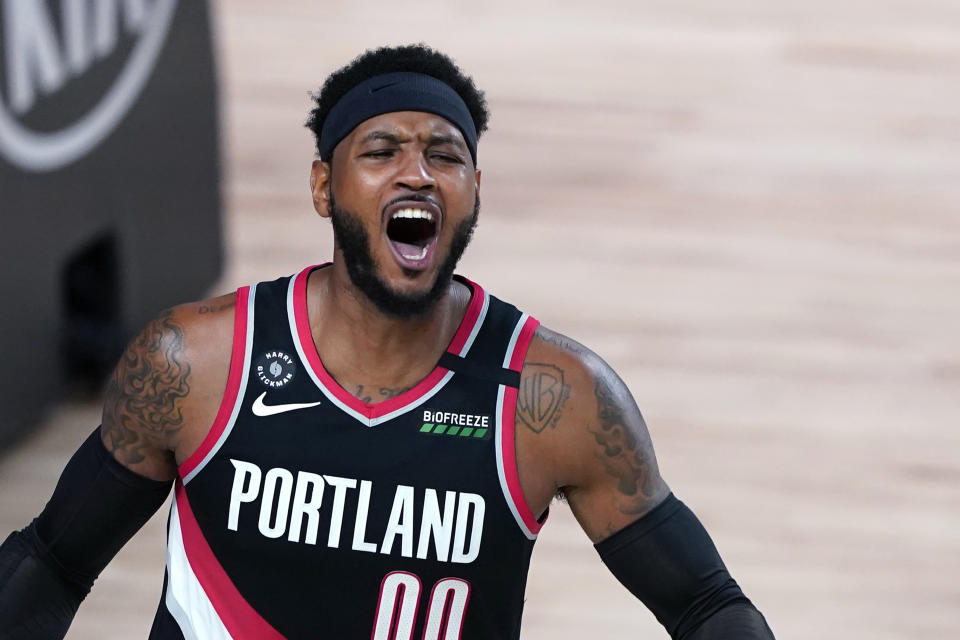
<point>308,513</point>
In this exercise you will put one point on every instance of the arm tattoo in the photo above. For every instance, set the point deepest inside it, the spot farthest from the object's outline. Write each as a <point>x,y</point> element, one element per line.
<point>625,456</point>
<point>143,399</point>
<point>541,397</point>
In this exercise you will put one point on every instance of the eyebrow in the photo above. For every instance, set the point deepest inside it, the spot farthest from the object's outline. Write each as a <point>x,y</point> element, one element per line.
<point>382,135</point>
<point>436,140</point>
<point>432,141</point>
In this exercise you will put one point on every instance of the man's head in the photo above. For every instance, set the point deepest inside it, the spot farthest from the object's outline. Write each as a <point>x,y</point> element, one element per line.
<point>396,133</point>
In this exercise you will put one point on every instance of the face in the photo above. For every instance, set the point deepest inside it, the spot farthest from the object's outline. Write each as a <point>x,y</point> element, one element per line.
<point>404,196</point>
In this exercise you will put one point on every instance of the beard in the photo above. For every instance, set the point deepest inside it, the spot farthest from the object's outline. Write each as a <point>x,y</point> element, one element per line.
<point>354,243</point>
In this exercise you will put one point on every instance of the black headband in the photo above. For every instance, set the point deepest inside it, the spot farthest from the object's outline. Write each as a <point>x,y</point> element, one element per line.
<point>398,91</point>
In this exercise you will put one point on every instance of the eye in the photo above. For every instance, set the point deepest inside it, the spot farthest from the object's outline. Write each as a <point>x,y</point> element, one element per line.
<point>446,157</point>
<point>379,153</point>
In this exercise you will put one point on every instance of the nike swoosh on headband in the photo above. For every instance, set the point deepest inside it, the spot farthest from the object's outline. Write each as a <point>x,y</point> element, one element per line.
<point>263,410</point>
<point>383,86</point>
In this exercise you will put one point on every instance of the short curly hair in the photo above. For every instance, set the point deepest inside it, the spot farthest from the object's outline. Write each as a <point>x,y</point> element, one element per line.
<point>417,58</point>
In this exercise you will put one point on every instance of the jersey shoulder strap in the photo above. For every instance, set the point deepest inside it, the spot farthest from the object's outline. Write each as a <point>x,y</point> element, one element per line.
<point>505,331</point>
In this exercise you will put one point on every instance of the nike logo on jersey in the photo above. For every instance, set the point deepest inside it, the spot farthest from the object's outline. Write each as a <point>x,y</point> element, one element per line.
<point>263,410</point>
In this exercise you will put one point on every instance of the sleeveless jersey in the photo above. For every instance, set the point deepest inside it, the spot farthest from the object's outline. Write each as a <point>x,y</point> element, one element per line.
<point>308,513</point>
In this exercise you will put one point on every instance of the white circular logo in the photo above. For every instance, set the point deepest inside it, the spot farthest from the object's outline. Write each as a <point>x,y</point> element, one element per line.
<point>275,369</point>
<point>31,47</point>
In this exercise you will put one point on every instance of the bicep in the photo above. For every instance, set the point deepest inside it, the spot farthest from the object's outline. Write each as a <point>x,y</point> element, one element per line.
<point>618,480</point>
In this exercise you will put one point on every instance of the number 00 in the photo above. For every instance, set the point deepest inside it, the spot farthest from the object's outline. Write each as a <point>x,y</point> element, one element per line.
<point>400,598</point>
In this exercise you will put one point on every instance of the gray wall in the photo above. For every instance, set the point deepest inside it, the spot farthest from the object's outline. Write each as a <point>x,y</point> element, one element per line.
<point>109,184</point>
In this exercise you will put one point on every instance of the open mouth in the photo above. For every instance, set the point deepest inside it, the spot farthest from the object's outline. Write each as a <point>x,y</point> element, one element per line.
<point>412,234</point>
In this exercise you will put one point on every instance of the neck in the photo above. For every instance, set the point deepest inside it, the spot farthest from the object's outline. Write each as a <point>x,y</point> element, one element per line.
<point>371,354</point>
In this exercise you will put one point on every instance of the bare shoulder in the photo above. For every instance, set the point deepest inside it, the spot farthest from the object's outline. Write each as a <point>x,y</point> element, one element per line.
<point>560,382</point>
<point>576,413</point>
<point>166,387</point>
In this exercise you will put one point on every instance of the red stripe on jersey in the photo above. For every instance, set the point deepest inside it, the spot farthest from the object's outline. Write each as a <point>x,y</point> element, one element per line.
<point>387,406</point>
<point>469,319</point>
<point>508,424</point>
<point>240,619</point>
<point>523,343</point>
<point>510,461</point>
<point>229,399</point>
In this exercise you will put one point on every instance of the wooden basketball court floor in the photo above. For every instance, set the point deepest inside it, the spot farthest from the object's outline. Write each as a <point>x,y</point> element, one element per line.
<point>749,209</point>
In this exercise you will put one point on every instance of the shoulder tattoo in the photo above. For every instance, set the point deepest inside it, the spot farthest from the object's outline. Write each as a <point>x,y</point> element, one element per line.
<point>541,396</point>
<point>143,403</point>
<point>625,451</point>
<point>211,308</point>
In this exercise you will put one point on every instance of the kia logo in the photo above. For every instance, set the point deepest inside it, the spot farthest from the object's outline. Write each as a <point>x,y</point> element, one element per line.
<point>41,59</point>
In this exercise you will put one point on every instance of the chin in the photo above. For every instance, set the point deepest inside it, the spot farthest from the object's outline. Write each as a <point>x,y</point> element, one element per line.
<point>400,296</point>
<point>399,285</point>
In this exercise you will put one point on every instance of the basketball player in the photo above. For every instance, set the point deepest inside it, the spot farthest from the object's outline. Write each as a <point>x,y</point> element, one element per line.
<point>368,448</point>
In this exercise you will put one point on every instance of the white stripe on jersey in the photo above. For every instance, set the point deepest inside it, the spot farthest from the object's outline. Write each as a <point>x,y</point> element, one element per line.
<point>185,599</point>
<point>501,472</point>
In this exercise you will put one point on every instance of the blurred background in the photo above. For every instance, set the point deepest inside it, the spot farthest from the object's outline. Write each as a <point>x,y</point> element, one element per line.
<point>749,209</point>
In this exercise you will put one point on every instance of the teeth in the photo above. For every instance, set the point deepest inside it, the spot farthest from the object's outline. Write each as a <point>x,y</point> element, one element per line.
<point>417,256</point>
<point>413,214</point>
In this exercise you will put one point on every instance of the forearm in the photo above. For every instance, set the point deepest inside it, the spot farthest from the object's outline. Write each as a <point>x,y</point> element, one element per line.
<point>739,619</point>
<point>48,568</point>
<point>668,561</point>
<point>37,601</point>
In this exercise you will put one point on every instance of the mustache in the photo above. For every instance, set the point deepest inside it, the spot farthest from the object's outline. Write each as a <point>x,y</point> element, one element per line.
<point>414,197</point>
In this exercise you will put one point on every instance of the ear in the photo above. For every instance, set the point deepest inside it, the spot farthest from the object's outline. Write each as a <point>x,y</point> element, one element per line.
<point>477,177</point>
<point>320,187</point>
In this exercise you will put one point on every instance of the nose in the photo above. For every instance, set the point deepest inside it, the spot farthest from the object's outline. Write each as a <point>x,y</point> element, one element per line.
<point>414,172</point>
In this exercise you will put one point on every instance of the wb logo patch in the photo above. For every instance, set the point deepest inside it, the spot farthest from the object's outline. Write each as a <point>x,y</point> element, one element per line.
<point>275,369</point>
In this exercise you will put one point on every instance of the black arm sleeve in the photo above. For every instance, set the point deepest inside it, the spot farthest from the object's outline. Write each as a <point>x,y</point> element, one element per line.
<point>667,560</point>
<point>48,568</point>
